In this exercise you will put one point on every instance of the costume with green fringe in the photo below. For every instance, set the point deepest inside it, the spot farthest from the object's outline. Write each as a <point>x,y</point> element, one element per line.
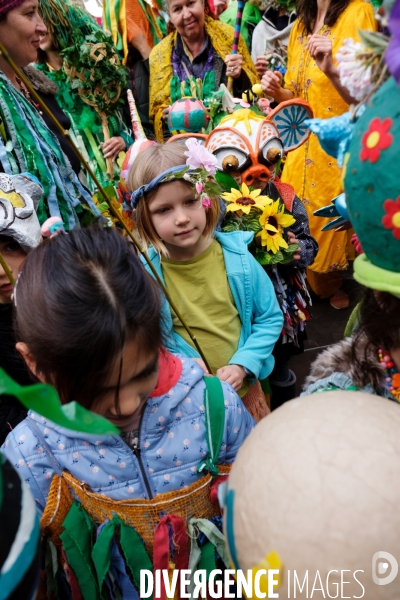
<point>81,41</point>
<point>27,145</point>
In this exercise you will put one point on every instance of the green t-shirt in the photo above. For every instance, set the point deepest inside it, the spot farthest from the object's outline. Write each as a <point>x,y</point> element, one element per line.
<point>199,287</point>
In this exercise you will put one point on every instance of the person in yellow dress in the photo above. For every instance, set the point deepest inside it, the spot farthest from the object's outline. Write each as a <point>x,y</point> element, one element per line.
<point>319,32</point>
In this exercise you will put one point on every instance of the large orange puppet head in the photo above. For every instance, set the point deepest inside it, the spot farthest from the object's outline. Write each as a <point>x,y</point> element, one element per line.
<point>249,146</point>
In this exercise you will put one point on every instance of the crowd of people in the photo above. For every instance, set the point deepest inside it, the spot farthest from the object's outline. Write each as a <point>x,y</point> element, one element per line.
<point>159,248</point>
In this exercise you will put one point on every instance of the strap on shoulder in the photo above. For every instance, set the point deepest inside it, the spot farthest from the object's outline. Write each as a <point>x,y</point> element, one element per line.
<point>214,404</point>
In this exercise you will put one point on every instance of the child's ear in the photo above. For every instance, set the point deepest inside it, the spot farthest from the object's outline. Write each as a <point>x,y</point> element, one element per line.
<point>29,360</point>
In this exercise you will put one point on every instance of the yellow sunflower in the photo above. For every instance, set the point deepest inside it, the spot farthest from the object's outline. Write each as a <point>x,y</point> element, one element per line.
<point>273,221</point>
<point>245,200</point>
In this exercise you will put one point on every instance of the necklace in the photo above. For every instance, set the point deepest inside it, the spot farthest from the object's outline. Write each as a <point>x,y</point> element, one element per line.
<point>27,95</point>
<point>392,377</point>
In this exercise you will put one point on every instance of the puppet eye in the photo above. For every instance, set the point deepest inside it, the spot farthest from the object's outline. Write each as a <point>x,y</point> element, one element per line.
<point>230,160</point>
<point>272,151</point>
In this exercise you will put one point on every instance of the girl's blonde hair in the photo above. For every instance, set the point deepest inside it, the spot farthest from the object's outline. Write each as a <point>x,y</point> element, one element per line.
<point>148,165</point>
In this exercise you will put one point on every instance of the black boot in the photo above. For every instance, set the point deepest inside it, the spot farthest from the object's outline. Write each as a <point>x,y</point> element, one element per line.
<point>282,392</point>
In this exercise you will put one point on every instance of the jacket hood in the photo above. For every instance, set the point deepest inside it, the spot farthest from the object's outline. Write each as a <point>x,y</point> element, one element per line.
<point>274,34</point>
<point>339,358</point>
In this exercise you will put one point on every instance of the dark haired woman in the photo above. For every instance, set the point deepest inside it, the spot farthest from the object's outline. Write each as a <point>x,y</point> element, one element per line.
<point>359,361</point>
<point>319,32</point>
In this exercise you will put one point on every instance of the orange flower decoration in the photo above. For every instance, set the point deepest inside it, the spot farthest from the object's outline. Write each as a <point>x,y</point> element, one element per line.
<point>392,219</point>
<point>376,139</point>
<point>396,380</point>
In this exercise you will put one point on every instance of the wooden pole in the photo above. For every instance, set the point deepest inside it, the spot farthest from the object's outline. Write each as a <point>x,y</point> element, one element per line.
<point>6,269</point>
<point>106,133</point>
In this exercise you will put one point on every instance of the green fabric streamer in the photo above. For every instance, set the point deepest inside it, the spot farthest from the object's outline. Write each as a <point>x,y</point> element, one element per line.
<point>101,553</point>
<point>95,152</point>
<point>43,399</point>
<point>205,556</point>
<point>215,420</point>
<point>135,553</point>
<point>21,121</point>
<point>77,539</point>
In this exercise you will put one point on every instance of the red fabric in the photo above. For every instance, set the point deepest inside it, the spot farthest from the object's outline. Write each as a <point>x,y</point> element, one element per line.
<point>286,191</point>
<point>162,546</point>
<point>169,375</point>
<point>71,578</point>
<point>215,485</point>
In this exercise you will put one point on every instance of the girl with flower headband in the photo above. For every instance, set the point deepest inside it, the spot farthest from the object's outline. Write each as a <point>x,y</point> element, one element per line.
<point>225,295</point>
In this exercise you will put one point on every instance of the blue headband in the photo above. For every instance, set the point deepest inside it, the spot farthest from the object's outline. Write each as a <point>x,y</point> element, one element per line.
<point>145,189</point>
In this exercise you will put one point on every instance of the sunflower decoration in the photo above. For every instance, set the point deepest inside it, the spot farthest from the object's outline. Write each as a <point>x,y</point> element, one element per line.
<point>272,221</point>
<point>247,209</point>
<point>243,200</point>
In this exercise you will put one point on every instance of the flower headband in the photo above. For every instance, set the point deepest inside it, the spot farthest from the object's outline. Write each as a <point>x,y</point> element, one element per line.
<point>199,171</point>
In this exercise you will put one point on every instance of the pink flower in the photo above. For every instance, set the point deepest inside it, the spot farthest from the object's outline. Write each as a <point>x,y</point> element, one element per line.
<point>200,157</point>
<point>206,202</point>
<point>199,187</point>
<point>264,105</point>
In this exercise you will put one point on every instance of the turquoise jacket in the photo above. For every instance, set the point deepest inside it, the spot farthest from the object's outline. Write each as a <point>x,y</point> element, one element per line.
<point>255,300</point>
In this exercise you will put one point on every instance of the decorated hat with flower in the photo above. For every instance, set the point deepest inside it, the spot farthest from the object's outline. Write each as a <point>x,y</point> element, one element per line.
<point>372,186</point>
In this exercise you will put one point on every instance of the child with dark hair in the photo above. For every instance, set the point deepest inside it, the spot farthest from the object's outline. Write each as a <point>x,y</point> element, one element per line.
<point>218,286</point>
<point>95,335</point>
<point>359,361</point>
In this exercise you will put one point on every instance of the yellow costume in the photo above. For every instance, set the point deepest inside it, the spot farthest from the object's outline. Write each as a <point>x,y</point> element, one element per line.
<point>161,73</point>
<point>313,174</point>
